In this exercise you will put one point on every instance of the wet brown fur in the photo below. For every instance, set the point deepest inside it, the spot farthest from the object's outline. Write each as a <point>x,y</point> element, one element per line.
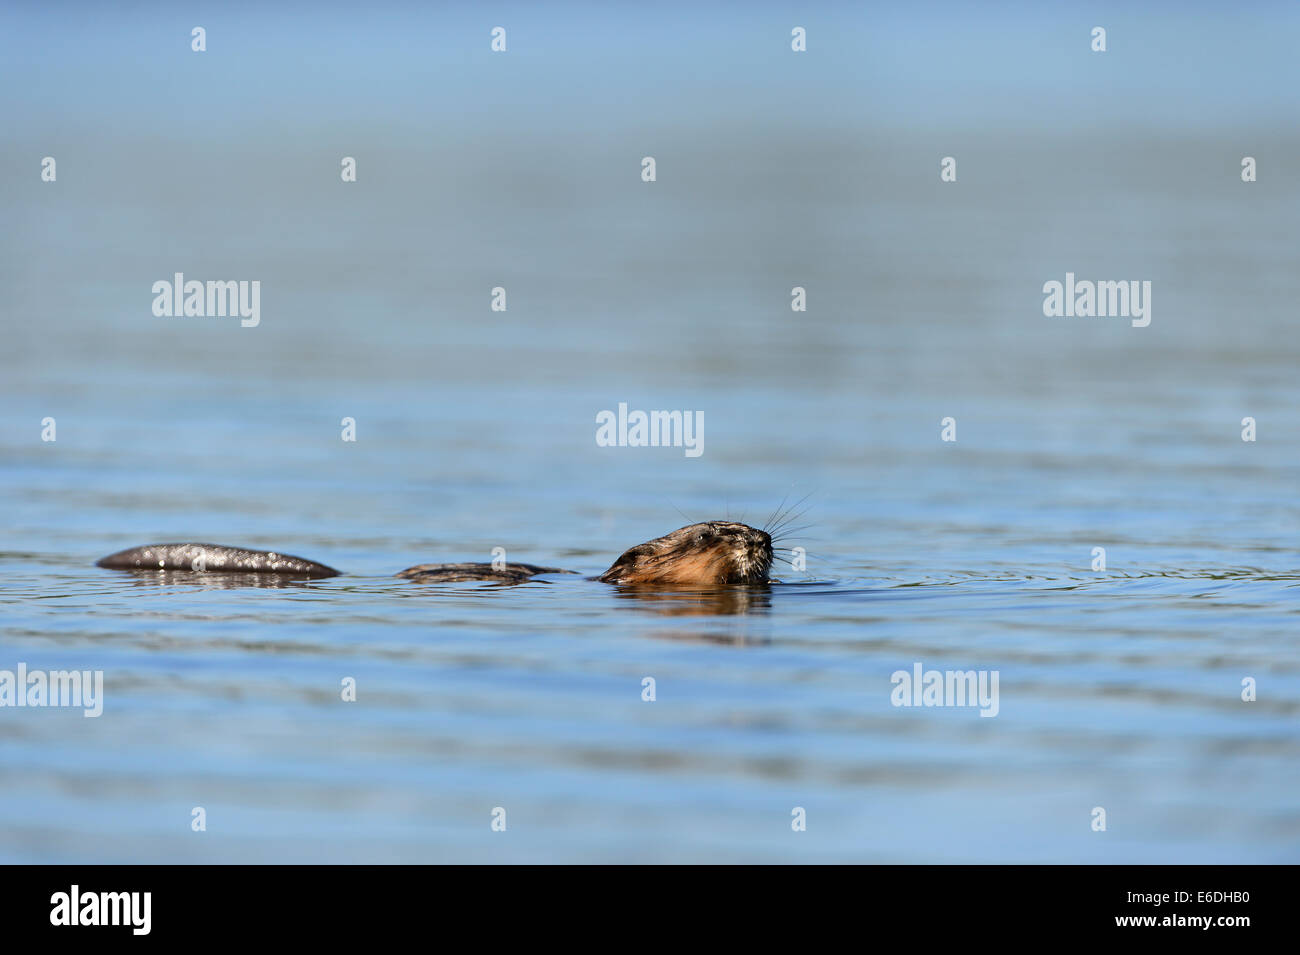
<point>699,555</point>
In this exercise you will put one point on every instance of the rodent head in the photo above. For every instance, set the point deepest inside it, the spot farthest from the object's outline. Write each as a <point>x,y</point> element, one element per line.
<point>698,555</point>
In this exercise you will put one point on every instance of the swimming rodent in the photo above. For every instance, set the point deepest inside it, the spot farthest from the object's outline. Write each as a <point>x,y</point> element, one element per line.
<point>708,554</point>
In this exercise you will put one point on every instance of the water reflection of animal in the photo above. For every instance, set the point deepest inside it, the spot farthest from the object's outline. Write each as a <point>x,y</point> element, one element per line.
<point>712,553</point>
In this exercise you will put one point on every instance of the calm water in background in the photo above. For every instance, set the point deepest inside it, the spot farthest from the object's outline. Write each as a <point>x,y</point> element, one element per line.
<point>476,429</point>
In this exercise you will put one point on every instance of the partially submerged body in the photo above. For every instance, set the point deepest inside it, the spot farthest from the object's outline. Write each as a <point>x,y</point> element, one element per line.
<point>709,554</point>
<point>502,573</point>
